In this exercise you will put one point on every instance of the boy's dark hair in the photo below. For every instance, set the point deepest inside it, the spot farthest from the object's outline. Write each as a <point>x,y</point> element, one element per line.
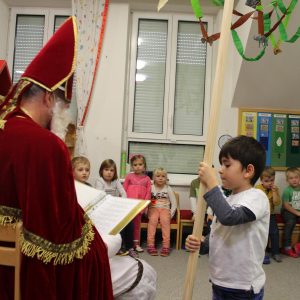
<point>246,150</point>
<point>108,163</point>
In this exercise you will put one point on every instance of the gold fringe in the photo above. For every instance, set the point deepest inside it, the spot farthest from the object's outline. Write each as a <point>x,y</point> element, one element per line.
<point>10,215</point>
<point>62,254</point>
<point>2,123</point>
<point>9,221</point>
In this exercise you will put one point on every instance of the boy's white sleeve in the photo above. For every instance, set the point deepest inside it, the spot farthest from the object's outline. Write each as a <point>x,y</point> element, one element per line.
<point>257,202</point>
<point>121,189</point>
<point>193,201</point>
<point>173,202</point>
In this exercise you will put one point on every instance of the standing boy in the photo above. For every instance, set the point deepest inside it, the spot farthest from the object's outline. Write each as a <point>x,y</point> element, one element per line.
<point>240,226</point>
<point>267,185</point>
<point>291,210</point>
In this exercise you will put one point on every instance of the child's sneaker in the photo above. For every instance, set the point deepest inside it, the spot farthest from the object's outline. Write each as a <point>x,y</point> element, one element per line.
<point>266,260</point>
<point>289,252</point>
<point>297,248</point>
<point>277,257</point>
<point>165,252</point>
<point>139,249</point>
<point>152,250</point>
<point>132,253</point>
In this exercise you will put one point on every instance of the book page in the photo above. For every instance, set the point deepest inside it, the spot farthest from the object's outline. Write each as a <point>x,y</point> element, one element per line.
<point>87,196</point>
<point>109,214</point>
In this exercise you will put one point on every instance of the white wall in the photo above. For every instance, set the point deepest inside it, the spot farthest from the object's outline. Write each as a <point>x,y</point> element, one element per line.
<point>103,131</point>
<point>4,19</point>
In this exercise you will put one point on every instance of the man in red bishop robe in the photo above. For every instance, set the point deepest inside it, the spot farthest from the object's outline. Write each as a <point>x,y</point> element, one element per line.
<point>63,255</point>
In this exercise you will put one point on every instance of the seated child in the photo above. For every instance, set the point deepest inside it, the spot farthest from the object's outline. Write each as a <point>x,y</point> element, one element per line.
<point>267,185</point>
<point>110,184</point>
<point>291,210</point>
<point>81,169</point>
<point>131,278</point>
<point>108,181</point>
<point>162,209</point>
<point>137,186</point>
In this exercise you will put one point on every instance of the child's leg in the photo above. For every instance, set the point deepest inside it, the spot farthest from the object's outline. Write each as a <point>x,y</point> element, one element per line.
<point>165,220</point>
<point>137,229</point>
<point>274,235</point>
<point>127,236</point>
<point>153,215</point>
<point>290,222</point>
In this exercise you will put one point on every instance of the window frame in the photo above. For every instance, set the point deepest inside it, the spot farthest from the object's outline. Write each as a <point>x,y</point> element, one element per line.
<point>48,13</point>
<point>167,136</point>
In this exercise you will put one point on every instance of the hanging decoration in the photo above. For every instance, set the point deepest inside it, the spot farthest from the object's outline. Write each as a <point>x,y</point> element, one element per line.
<point>277,17</point>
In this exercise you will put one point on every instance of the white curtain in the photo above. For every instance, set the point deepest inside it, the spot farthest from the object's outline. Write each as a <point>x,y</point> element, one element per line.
<point>89,15</point>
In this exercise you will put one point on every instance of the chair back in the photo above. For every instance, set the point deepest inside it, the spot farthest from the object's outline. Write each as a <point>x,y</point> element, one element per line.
<point>11,255</point>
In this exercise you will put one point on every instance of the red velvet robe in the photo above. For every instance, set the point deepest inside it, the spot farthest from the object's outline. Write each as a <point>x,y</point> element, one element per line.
<point>36,177</point>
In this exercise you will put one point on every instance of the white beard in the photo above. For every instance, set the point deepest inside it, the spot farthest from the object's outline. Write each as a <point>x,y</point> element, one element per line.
<point>60,120</point>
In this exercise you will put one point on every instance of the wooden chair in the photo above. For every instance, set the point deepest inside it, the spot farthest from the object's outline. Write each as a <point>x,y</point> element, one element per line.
<point>185,221</point>
<point>175,222</point>
<point>11,255</point>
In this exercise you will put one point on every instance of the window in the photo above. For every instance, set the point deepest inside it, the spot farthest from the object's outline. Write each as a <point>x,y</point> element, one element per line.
<point>30,30</point>
<point>169,91</point>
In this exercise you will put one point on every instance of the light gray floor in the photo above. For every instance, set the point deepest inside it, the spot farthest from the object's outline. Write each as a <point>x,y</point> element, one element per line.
<point>283,279</point>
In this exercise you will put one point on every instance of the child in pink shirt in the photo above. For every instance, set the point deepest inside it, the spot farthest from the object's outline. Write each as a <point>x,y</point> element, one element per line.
<point>138,186</point>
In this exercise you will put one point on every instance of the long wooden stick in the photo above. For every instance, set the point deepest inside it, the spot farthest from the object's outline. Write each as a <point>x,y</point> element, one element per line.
<point>211,140</point>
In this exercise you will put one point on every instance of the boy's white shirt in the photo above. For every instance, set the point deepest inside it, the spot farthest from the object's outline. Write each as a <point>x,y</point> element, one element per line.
<point>237,252</point>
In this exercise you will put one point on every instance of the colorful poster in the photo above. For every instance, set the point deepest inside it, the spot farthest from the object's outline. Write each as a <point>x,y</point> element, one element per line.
<point>249,124</point>
<point>278,140</point>
<point>264,129</point>
<point>293,141</point>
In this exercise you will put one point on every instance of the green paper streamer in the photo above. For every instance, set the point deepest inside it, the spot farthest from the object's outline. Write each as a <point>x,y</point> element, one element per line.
<point>240,48</point>
<point>197,8</point>
<point>218,2</point>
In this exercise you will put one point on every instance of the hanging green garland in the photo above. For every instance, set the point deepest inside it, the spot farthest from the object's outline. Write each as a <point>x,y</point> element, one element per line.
<point>265,26</point>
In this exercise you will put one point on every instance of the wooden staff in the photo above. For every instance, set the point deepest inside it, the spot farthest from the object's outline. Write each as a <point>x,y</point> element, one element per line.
<point>211,140</point>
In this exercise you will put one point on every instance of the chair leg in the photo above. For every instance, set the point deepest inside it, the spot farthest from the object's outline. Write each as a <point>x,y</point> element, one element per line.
<point>177,238</point>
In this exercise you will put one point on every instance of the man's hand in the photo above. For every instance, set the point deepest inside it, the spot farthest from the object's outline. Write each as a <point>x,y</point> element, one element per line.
<point>207,176</point>
<point>192,243</point>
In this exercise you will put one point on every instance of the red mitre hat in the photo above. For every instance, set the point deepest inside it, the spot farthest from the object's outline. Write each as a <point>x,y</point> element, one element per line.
<point>5,80</point>
<point>53,66</point>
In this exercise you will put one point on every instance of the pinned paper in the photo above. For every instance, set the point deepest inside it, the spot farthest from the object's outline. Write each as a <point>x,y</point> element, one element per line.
<point>161,4</point>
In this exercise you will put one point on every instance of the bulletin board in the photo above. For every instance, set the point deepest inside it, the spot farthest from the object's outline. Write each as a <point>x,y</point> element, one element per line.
<point>277,130</point>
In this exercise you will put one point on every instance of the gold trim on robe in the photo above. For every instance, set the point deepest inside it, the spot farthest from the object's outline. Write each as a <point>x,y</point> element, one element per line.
<point>33,245</point>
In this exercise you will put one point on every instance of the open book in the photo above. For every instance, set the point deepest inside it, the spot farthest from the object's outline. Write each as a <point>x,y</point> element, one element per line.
<point>109,214</point>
